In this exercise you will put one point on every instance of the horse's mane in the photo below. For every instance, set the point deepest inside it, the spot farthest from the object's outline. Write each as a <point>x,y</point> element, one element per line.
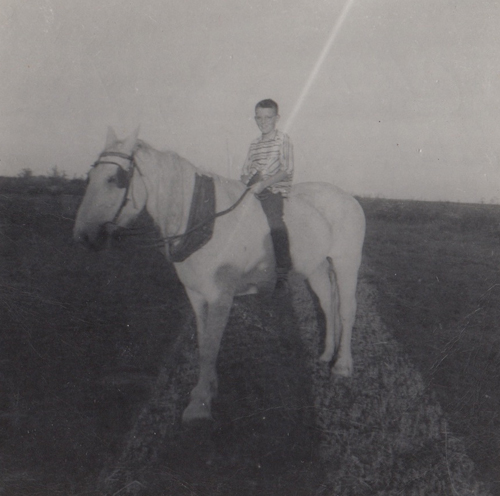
<point>167,155</point>
<point>171,157</point>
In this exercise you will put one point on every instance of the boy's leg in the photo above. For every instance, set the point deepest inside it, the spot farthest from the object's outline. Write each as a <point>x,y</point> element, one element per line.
<point>272,204</point>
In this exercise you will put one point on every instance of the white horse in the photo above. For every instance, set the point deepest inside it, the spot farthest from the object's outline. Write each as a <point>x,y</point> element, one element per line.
<point>326,228</point>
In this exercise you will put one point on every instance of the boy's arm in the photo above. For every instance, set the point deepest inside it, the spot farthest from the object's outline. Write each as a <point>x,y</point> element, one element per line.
<point>262,185</point>
<point>245,170</point>
<point>245,175</point>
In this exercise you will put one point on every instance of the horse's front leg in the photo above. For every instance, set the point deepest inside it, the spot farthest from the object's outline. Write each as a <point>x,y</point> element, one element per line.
<point>211,319</point>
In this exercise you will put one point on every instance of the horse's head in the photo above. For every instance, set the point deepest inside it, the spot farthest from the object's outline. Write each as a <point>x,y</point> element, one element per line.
<point>115,193</point>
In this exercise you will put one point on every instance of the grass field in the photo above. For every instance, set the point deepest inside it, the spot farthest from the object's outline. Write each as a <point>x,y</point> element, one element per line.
<point>436,270</point>
<point>83,337</point>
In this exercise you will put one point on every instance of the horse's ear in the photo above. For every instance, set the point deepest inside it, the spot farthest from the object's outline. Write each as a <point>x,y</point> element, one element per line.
<point>111,137</point>
<point>129,143</point>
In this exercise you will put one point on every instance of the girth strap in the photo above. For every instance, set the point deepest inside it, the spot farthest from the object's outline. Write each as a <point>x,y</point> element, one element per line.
<point>200,222</point>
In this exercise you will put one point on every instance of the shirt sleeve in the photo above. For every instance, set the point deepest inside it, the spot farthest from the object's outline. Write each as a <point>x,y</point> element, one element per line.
<point>248,162</point>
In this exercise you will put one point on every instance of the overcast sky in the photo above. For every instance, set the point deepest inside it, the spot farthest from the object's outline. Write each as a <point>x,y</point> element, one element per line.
<point>405,104</point>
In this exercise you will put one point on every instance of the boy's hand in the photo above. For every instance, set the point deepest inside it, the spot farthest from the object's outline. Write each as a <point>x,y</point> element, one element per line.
<point>245,178</point>
<point>258,188</point>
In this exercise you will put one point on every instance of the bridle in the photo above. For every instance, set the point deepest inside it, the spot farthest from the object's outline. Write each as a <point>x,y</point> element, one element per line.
<point>123,177</point>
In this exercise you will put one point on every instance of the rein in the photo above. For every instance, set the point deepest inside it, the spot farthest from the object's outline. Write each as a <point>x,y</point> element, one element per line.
<point>126,185</point>
<point>207,221</point>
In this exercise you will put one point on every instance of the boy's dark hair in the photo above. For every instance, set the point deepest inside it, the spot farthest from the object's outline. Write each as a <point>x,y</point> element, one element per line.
<point>268,103</point>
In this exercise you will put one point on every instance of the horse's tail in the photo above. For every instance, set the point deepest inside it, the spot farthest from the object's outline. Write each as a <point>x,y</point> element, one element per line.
<point>331,272</point>
<point>335,296</point>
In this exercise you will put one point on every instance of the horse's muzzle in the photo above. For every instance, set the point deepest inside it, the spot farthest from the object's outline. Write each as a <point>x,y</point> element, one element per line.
<point>93,239</point>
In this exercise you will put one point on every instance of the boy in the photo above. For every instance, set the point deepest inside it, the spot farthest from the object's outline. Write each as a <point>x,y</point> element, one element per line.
<point>268,169</point>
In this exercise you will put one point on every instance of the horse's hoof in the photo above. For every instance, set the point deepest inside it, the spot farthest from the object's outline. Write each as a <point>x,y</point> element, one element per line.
<point>326,357</point>
<point>196,413</point>
<point>342,369</point>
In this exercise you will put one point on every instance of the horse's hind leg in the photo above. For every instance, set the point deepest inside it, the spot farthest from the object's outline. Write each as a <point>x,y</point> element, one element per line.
<point>324,286</point>
<point>211,320</point>
<point>346,273</point>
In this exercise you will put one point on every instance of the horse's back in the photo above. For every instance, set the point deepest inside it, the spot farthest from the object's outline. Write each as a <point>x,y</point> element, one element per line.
<point>329,199</point>
<point>323,221</point>
<point>339,209</point>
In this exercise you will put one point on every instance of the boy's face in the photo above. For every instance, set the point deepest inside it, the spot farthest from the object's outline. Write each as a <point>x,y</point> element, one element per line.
<point>266,119</point>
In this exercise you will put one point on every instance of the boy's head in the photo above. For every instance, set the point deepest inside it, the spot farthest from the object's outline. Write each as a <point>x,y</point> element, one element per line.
<point>266,116</point>
<point>268,103</point>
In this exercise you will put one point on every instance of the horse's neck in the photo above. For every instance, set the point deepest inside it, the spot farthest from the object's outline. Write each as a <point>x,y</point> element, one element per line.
<point>169,183</point>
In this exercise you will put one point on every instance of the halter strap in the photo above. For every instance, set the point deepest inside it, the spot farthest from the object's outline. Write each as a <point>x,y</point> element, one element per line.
<point>130,158</point>
<point>130,173</point>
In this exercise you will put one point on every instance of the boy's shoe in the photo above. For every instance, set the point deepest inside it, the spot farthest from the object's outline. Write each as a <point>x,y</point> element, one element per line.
<point>282,288</point>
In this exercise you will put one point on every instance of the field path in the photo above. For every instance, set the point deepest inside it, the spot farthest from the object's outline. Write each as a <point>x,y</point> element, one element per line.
<point>283,426</point>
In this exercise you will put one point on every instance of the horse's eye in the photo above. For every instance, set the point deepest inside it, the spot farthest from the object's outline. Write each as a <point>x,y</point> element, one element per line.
<point>121,178</point>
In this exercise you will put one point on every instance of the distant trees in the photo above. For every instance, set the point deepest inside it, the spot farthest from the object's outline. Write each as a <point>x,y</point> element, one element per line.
<point>26,173</point>
<point>55,183</point>
<point>55,173</point>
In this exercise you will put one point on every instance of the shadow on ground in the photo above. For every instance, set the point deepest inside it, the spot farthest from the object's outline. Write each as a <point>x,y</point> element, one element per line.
<point>262,439</point>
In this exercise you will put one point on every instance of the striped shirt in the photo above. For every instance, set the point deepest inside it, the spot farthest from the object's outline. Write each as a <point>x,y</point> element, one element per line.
<point>268,157</point>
